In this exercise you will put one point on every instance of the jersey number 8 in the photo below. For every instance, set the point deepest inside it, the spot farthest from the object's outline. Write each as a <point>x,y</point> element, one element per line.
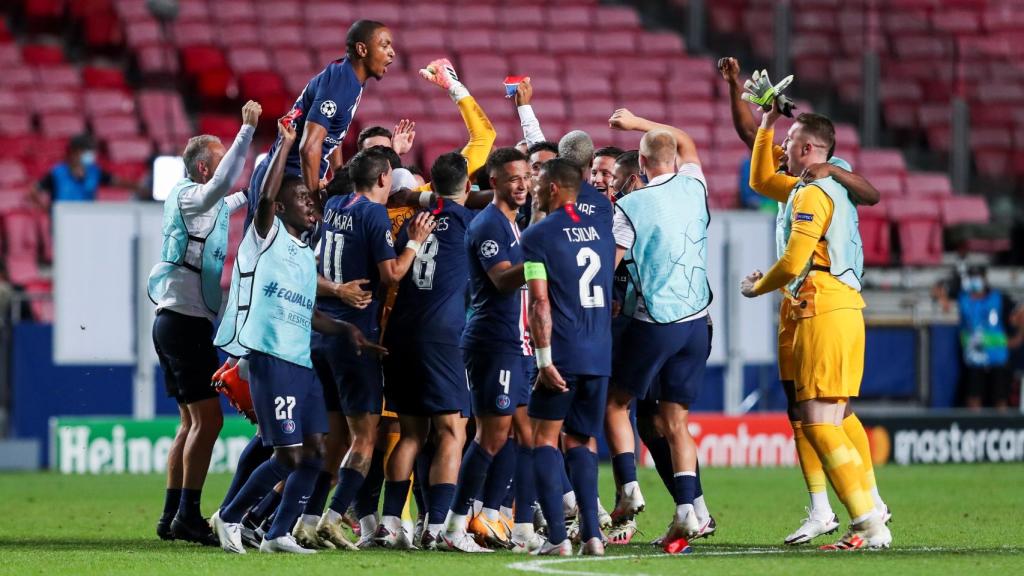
<point>424,266</point>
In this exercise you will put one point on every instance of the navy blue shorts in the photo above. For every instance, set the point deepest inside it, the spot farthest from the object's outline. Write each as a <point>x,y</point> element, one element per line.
<point>582,407</point>
<point>426,378</point>
<point>288,400</point>
<point>662,361</point>
<point>359,379</point>
<point>497,380</point>
<point>323,373</point>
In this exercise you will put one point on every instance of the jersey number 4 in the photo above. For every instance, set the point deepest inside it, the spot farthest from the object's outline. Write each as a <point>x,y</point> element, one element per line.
<point>590,296</point>
<point>424,266</point>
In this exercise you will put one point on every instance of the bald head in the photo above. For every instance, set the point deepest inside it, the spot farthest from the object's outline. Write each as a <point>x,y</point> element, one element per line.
<point>578,148</point>
<point>658,148</point>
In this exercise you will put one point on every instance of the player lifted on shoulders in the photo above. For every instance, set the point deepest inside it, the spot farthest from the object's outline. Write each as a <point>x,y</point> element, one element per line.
<point>821,268</point>
<point>569,259</point>
<point>324,111</point>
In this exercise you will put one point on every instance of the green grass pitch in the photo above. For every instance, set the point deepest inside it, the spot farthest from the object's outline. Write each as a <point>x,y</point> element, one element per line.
<point>948,519</point>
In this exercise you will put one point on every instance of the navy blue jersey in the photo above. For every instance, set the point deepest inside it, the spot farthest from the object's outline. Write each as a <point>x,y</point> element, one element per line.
<point>330,99</point>
<point>498,321</point>
<point>592,203</point>
<point>355,236</point>
<point>431,301</point>
<point>578,254</point>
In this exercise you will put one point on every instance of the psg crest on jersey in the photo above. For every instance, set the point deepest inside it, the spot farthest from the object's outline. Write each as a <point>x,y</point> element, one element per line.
<point>503,401</point>
<point>288,426</point>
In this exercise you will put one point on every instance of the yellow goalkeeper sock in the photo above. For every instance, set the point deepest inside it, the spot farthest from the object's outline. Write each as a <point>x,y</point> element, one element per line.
<point>810,464</point>
<point>854,430</point>
<point>839,457</point>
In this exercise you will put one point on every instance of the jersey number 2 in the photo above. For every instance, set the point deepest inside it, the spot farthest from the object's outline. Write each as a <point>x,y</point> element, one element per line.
<point>590,296</point>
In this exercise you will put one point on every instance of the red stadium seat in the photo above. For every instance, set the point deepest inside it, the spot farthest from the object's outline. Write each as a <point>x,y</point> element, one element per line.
<point>143,33</point>
<point>279,12</point>
<point>240,35</point>
<point>881,161</point>
<point>928,184</point>
<point>283,36</point>
<point>616,18</point>
<point>49,102</point>
<point>42,55</point>
<point>103,102</point>
<point>875,233</point>
<point>617,42</point>
<point>60,76</point>
<point>163,113</point>
<point>957,210</point>
<point>193,33</point>
<point>474,16</point>
<point>418,39</point>
<point>523,17</point>
<point>661,43</point>
<point>629,88</point>
<point>12,173</point>
<point>110,127</point>
<point>222,126</point>
<point>196,59</point>
<point>570,18</point>
<point>434,16</point>
<point>95,77</point>
<point>483,67</point>
<point>235,11</point>
<point>157,60</point>
<point>567,42</point>
<point>472,41</point>
<point>919,230</point>
<point>59,125</point>
<point>129,150</point>
<point>248,60</point>
<point>584,86</point>
<point>17,77</point>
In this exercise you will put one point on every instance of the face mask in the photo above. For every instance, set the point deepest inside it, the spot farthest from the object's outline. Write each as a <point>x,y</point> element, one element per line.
<point>974,284</point>
<point>88,157</point>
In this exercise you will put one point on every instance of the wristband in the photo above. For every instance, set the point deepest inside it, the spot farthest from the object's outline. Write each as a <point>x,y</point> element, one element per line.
<point>414,245</point>
<point>424,199</point>
<point>543,357</point>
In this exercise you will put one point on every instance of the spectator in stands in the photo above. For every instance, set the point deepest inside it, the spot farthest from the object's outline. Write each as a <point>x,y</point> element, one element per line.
<point>989,327</point>
<point>77,178</point>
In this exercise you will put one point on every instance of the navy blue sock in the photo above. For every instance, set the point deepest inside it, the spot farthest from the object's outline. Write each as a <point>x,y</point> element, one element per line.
<point>349,483</point>
<point>583,473</point>
<point>700,491</point>
<point>661,453</point>
<point>475,465</point>
<point>566,484</point>
<point>685,488</point>
<point>188,507</point>
<point>499,477</point>
<point>624,467</point>
<point>262,480</point>
<point>440,498</point>
<point>172,499</point>
<point>395,493</point>
<point>422,479</point>
<point>254,454</point>
<point>368,497</point>
<point>295,496</point>
<point>510,494</point>
<point>266,506</point>
<point>318,498</point>
<point>549,491</point>
<point>524,486</point>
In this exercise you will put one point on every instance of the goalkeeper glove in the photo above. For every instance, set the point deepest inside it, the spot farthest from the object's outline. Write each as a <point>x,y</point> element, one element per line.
<point>442,73</point>
<point>760,91</point>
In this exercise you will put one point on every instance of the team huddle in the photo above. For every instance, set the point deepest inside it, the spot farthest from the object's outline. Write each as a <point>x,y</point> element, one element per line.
<point>465,342</point>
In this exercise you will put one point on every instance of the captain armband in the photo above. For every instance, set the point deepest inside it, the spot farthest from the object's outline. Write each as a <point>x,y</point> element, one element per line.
<point>535,271</point>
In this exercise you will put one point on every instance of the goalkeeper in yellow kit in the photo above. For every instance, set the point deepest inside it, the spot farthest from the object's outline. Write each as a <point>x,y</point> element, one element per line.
<point>820,272</point>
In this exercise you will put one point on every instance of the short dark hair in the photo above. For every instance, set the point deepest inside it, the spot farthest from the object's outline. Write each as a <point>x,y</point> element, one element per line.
<point>563,172</point>
<point>414,170</point>
<point>367,166</point>
<point>820,127</point>
<point>288,184</point>
<point>361,31</point>
<point>630,161</point>
<point>502,156</point>
<point>608,152</point>
<point>81,142</point>
<point>541,147</point>
<point>393,158</point>
<point>449,173</point>
<point>340,185</point>
<point>371,132</point>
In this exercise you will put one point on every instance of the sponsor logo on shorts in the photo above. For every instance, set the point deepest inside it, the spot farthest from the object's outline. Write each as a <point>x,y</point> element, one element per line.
<point>489,249</point>
<point>328,108</point>
<point>288,426</point>
<point>503,401</point>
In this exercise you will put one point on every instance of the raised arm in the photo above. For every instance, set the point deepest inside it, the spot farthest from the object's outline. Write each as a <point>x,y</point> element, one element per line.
<point>686,150</point>
<point>764,178</point>
<point>230,168</point>
<point>742,118</point>
<point>527,119</point>
<point>860,190</point>
<point>264,220</point>
<point>311,151</point>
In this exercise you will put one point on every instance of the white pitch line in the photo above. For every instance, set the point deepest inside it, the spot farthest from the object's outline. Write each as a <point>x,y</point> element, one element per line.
<point>546,566</point>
